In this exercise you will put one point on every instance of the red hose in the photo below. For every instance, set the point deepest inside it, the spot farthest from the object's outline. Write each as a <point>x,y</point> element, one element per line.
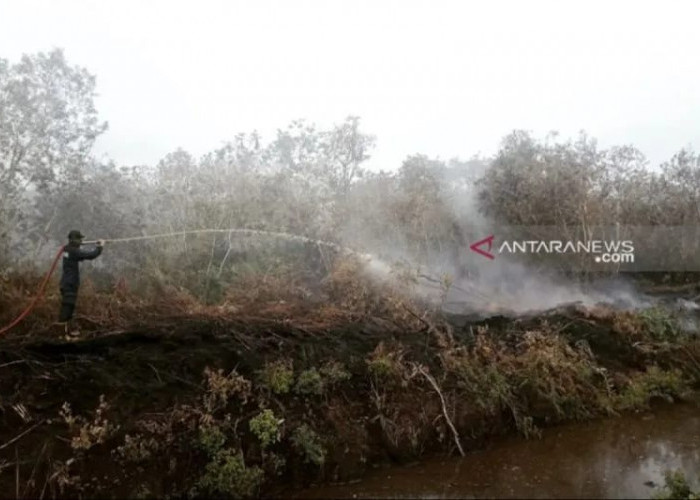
<point>39,294</point>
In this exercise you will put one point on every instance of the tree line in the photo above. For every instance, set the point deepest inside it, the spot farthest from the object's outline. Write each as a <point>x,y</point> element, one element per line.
<point>305,180</point>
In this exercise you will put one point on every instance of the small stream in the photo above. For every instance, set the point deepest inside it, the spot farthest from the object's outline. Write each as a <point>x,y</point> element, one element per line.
<point>621,457</point>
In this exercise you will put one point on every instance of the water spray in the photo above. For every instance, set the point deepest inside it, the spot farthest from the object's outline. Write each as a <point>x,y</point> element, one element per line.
<point>258,232</point>
<point>288,236</point>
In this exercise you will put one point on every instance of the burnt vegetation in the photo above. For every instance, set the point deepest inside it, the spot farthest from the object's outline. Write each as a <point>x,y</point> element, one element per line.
<point>226,365</point>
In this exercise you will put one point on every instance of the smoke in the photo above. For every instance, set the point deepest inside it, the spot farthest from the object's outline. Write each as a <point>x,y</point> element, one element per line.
<point>516,288</point>
<point>463,282</point>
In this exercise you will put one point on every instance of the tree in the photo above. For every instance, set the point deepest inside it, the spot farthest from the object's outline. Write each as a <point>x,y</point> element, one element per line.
<point>48,125</point>
<point>532,183</point>
<point>421,207</point>
<point>346,149</point>
<point>681,180</point>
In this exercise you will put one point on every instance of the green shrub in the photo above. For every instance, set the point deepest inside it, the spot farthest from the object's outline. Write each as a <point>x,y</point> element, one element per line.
<point>227,474</point>
<point>266,427</point>
<point>488,386</point>
<point>309,443</point>
<point>309,382</point>
<point>655,382</point>
<point>278,376</point>
<point>660,324</point>
<point>211,439</point>
<point>676,486</point>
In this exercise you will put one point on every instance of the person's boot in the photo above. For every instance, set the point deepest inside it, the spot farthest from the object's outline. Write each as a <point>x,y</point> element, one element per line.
<point>69,331</point>
<point>73,330</point>
<point>63,327</point>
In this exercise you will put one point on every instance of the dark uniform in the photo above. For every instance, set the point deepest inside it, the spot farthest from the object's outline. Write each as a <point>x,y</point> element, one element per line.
<point>70,279</point>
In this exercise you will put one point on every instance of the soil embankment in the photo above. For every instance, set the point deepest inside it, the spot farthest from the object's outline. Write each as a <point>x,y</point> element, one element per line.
<point>225,404</point>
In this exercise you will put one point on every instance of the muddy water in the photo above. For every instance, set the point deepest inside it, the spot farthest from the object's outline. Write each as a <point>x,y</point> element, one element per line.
<point>623,457</point>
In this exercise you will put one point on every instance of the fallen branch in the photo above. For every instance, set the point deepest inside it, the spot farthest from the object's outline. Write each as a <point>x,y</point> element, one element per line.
<point>21,435</point>
<point>429,327</point>
<point>11,363</point>
<point>432,381</point>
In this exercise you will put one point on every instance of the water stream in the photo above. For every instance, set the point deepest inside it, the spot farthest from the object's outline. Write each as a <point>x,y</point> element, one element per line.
<point>622,457</point>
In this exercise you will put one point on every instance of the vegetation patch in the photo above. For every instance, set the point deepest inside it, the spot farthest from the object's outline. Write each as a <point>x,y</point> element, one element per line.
<point>309,444</point>
<point>278,376</point>
<point>660,324</point>
<point>676,486</point>
<point>227,474</point>
<point>653,383</point>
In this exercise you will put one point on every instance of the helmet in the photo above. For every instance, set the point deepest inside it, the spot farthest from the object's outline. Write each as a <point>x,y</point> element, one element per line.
<point>75,235</point>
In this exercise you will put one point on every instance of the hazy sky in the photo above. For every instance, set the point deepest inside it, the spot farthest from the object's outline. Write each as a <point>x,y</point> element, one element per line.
<point>441,78</point>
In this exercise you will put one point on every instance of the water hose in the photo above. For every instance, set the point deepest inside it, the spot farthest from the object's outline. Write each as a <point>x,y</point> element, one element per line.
<point>38,295</point>
<point>259,232</point>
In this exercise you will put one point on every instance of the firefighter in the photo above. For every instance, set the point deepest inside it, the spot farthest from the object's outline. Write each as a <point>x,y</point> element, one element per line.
<point>70,279</point>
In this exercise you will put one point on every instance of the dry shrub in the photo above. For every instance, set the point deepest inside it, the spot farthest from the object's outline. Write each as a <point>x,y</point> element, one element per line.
<point>348,287</point>
<point>89,433</point>
<point>16,294</point>
<point>540,377</point>
<point>221,388</point>
<point>386,363</point>
<point>64,477</point>
<point>406,408</point>
<point>628,325</point>
<point>137,448</point>
<point>261,288</point>
<point>480,380</point>
<point>599,312</point>
<point>353,293</point>
<point>563,380</point>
